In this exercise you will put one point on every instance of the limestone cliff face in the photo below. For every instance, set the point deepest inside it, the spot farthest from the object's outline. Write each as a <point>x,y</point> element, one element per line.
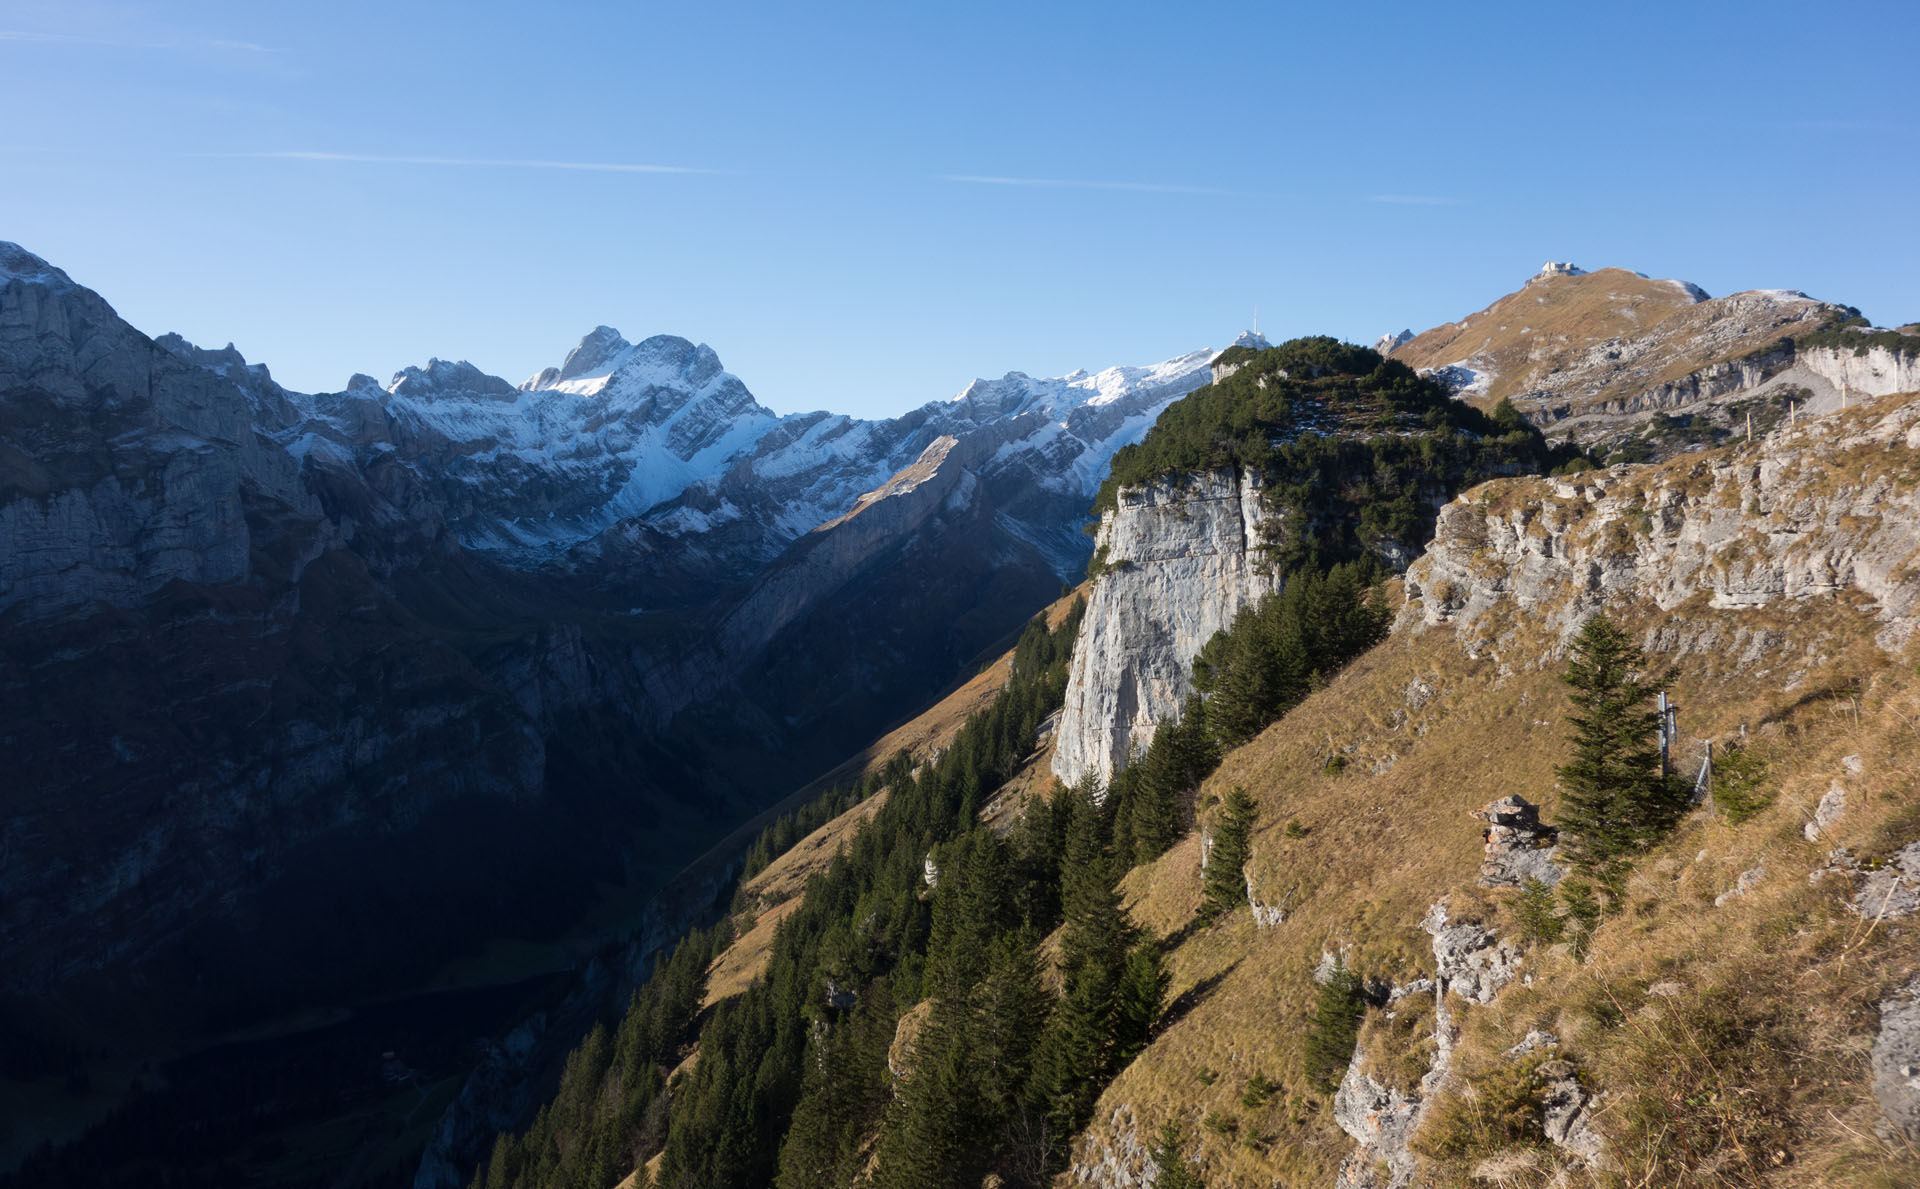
<point>1873,371</point>
<point>1827,509</point>
<point>1182,558</point>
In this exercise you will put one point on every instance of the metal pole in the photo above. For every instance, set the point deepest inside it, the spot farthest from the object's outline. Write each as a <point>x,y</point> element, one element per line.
<point>1665,732</point>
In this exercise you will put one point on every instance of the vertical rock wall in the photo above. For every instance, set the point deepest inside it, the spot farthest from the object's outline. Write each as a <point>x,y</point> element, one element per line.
<point>1182,558</point>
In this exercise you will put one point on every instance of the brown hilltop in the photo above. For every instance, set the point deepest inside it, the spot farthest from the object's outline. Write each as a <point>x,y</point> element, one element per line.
<point>1587,349</point>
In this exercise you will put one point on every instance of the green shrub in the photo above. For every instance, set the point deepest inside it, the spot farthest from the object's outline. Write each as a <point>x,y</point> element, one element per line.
<point>1582,913</point>
<point>1171,1162</point>
<point>1536,910</point>
<point>1334,1028</point>
<point>1740,785</point>
<point>1259,1090</point>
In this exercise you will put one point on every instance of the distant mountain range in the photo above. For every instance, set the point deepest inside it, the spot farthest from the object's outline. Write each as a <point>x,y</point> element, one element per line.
<point>458,637</point>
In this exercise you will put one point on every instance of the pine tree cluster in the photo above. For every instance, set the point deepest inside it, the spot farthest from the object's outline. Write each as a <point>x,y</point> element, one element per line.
<point>1359,449</point>
<point>793,1088</point>
<point>610,1109</point>
<point>1247,676</point>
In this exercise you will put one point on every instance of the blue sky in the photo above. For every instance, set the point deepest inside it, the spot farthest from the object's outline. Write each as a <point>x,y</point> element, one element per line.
<point>345,186</point>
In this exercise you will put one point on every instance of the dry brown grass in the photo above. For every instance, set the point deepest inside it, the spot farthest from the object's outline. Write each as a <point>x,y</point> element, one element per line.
<point>1381,848</point>
<point>787,876</point>
<point>743,962</point>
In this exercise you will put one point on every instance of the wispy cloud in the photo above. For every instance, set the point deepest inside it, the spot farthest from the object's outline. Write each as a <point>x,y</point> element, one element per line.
<point>122,43</point>
<point>465,162</point>
<point>1077,184</point>
<point>1412,200</point>
<point>1844,126</point>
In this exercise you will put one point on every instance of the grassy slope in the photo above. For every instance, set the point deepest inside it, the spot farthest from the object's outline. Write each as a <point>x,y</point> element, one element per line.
<point>1787,1081</point>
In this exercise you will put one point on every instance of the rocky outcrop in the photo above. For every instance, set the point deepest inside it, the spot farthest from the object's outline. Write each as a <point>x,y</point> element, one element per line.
<point>1864,372</point>
<point>1115,1157</point>
<point>1896,1064</point>
<point>1519,848</point>
<point>1892,890</point>
<point>1249,339</point>
<point>1265,916</point>
<point>1178,560</point>
<point>1567,1114</point>
<point>1381,1120</point>
<point>1833,804</point>
<point>1469,961</point>
<point>1593,358</point>
<point>1747,880</point>
<point>1746,527</point>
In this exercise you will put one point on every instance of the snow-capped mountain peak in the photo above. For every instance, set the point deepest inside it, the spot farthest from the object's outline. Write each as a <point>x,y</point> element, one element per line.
<point>605,362</point>
<point>598,352</point>
<point>1253,340</point>
<point>18,264</point>
<point>448,378</point>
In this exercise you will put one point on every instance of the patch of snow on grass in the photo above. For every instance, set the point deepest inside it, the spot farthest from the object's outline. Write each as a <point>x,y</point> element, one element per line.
<point>1465,381</point>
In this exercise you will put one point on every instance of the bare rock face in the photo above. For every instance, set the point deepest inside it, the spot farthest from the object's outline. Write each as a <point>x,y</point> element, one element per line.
<point>1381,1121</point>
<point>1832,805</point>
<point>1896,1064</point>
<point>1182,559</point>
<point>123,463</point>
<point>1470,960</point>
<point>1519,848</point>
<point>1893,890</point>
<point>1863,372</point>
<point>1748,528</point>
<point>1117,1159</point>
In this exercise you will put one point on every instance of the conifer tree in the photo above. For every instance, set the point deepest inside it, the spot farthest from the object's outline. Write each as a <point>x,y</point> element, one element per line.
<point>1171,1161</point>
<point>1010,1012</point>
<point>844,1096</point>
<point>1176,762</point>
<point>1137,1003</point>
<point>1614,802</point>
<point>1082,1043</point>
<point>1335,1028</point>
<point>1096,931</point>
<point>932,1136</point>
<point>1225,887</point>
